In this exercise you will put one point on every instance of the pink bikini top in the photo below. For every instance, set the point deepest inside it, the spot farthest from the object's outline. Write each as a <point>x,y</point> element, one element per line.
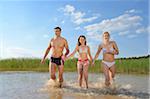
<point>83,50</point>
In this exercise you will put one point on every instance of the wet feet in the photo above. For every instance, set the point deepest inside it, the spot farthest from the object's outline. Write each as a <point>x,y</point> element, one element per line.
<point>84,87</point>
<point>60,84</point>
<point>107,83</point>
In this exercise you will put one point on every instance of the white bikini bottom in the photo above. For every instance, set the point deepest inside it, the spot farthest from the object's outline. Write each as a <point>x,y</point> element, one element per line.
<point>109,64</point>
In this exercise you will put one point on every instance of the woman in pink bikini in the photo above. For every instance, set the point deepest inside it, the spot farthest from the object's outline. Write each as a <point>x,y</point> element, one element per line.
<point>109,49</point>
<point>83,61</point>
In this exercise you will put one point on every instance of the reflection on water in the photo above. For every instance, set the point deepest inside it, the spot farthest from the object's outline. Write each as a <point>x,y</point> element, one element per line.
<point>31,85</point>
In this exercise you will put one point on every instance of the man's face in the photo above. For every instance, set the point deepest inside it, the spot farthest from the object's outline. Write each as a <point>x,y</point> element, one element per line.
<point>57,32</point>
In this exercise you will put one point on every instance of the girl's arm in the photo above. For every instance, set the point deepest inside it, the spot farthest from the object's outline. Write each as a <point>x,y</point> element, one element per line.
<point>89,53</point>
<point>97,53</point>
<point>72,54</point>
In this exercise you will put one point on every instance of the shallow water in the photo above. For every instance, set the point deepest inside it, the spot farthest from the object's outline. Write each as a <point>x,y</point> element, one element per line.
<point>36,85</point>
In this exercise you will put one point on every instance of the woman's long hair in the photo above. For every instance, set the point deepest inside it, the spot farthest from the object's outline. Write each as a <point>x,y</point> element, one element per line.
<point>79,39</point>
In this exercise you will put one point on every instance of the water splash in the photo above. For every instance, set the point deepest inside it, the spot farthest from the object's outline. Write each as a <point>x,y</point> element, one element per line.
<point>95,89</point>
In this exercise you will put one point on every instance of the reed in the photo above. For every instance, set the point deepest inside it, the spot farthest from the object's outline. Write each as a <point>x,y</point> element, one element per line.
<point>127,65</point>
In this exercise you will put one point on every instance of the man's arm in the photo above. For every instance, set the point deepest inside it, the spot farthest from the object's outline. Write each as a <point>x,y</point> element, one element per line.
<point>67,48</point>
<point>72,54</point>
<point>46,52</point>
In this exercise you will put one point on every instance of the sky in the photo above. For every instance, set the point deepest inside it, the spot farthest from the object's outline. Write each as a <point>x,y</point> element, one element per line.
<point>26,27</point>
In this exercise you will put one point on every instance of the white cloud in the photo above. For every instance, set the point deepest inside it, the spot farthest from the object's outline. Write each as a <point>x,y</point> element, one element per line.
<point>69,9</point>
<point>82,20</point>
<point>132,36</point>
<point>95,36</point>
<point>77,28</point>
<point>128,25</point>
<point>77,17</point>
<point>19,52</point>
<point>133,11</point>
<point>142,30</point>
<point>119,23</point>
<point>123,33</point>
<point>93,48</point>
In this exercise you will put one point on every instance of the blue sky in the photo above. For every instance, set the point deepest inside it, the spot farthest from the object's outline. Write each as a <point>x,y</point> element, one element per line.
<point>27,26</point>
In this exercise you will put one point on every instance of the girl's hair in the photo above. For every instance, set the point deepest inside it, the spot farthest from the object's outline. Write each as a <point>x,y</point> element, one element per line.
<point>79,39</point>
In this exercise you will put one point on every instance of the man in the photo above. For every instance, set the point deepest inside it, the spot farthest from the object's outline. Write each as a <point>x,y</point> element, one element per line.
<point>57,44</point>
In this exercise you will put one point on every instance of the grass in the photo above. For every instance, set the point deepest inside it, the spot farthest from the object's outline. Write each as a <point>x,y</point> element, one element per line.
<point>128,65</point>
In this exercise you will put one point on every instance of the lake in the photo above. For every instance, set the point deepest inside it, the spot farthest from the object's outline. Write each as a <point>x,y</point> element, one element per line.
<point>36,85</point>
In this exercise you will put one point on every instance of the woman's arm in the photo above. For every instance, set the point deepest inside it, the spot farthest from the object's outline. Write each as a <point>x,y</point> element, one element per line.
<point>89,53</point>
<point>72,54</point>
<point>97,53</point>
<point>116,51</point>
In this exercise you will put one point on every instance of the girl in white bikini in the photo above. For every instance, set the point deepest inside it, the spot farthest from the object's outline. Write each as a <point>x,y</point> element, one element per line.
<point>109,49</point>
<point>83,61</point>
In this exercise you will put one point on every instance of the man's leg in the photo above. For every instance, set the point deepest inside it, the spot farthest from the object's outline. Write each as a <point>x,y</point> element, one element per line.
<point>61,70</point>
<point>52,70</point>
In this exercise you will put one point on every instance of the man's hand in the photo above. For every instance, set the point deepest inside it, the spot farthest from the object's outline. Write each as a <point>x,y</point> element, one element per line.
<point>63,57</point>
<point>42,61</point>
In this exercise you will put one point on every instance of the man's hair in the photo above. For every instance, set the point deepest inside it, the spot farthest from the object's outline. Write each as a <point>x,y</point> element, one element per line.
<point>58,28</point>
<point>106,33</point>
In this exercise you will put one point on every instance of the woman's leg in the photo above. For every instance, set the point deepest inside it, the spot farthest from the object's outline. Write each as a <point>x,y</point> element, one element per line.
<point>110,75</point>
<point>80,73</point>
<point>112,71</point>
<point>85,72</point>
<point>106,73</point>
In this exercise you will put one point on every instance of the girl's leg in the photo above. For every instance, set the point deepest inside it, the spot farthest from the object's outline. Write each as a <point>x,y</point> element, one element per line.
<point>80,73</point>
<point>85,72</point>
<point>106,73</point>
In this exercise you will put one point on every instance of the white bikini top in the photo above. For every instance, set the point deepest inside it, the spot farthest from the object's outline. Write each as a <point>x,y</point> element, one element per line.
<point>83,50</point>
<point>111,49</point>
